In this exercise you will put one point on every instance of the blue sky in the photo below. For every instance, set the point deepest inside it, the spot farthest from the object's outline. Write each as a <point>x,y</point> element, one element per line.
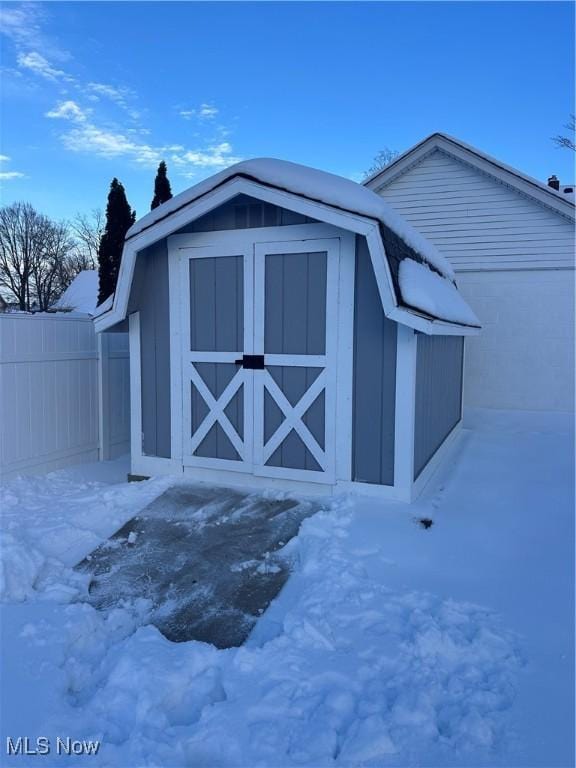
<point>96,90</point>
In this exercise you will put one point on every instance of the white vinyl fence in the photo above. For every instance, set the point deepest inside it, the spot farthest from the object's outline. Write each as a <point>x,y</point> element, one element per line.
<point>64,395</point>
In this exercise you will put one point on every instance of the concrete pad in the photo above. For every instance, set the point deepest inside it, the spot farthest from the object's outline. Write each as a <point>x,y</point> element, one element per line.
<point>207,559</point>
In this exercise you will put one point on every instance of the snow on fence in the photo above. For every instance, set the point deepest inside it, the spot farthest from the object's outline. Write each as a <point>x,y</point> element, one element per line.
<point>64,395</point>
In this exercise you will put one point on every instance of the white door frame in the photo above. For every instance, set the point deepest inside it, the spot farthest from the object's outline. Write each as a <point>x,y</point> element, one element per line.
<point>341,432</point>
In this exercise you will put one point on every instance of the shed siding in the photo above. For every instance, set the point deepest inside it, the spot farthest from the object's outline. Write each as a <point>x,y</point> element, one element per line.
<point>476,221</point>
<point>149,296</point>
<point>439,362</point>
<point>374,379</point>
<point>244,212</point>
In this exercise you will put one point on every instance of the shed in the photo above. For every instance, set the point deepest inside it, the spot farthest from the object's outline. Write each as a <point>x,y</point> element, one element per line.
<point>288,329</point>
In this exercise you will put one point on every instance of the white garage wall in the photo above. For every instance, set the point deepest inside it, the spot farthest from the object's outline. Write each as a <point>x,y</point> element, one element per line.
<point>49,393</point>
<point>524,357</point>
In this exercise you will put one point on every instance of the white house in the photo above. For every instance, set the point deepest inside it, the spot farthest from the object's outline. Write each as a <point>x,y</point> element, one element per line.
<point>288,329</point>
<point>511,242</point>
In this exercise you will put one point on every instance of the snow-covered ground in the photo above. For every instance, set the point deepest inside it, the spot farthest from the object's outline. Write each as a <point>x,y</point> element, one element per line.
<point>390,645</point>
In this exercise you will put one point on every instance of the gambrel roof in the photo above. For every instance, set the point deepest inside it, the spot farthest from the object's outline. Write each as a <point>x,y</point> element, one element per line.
<point>422,295</point>
<point>505,174</point>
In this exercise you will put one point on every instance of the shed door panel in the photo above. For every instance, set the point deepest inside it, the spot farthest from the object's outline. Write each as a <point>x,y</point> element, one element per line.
<point>275,302</point>
<point>217,329</point>
<point>295,304</point>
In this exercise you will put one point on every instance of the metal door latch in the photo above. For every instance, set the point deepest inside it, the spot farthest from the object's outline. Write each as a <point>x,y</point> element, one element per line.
<point>251,362</point>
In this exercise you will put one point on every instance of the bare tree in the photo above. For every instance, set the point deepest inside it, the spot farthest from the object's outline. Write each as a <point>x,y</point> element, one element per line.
<point>20,227</point>
<point>381,160</point>
<point>87,230</point>
<point>33,255</point>
<point>567,141</point>
<point>51,274</point>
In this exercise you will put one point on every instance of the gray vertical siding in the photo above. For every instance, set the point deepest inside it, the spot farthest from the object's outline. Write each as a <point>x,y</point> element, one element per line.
<point>244,212</point>
<point>374,379</point>
<point>438,394</point>
<point>217,304</point>
<point>295,304</point>
<point>149,296</point>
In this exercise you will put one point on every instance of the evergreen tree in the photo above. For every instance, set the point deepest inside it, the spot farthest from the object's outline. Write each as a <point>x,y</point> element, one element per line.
<point>162,191</point>
<point>119,218</point>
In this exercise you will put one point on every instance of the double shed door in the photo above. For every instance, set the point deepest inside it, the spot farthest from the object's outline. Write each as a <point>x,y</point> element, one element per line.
<point>259,349</point>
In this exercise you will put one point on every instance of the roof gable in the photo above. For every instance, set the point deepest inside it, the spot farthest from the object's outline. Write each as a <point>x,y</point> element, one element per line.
<point>501,172</point>
<point>325,197</point>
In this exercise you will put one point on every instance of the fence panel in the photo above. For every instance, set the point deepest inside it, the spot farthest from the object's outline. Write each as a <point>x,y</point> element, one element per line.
<point>50,414</point>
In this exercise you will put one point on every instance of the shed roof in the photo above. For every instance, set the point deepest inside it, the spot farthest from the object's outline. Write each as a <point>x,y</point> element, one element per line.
<point>397,240</point>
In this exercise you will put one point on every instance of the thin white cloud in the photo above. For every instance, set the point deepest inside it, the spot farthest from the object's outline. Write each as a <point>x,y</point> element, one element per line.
<point>204,112</point>
<point>85,135</point>
<point>108,143</point>
<point>8,175</point>
<point>68,110</point>
<point>208,111</point>
<point>112,92</point>
<point>213,157</point>
<point>22,24</point>
<point>39,65</point>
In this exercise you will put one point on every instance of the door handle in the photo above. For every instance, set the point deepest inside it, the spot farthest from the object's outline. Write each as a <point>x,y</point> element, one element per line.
<point>251,362</point>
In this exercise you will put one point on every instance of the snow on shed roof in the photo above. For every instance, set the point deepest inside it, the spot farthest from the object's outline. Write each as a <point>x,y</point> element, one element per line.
<point>311,183</point>
<point>82,293</point>
<point>331,198</point>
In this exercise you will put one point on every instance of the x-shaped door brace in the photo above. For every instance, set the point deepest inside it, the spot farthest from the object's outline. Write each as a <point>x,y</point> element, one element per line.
<point>216,413</point>
<point>293,418</point>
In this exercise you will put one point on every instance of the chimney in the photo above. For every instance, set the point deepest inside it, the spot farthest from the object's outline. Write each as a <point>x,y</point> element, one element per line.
<point>554,183</point>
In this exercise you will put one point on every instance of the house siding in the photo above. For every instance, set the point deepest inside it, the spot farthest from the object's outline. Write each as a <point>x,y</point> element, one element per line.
<point>438,407</point>
<point>476,221</point>
<point>514,259</point>
<point>374,390</point>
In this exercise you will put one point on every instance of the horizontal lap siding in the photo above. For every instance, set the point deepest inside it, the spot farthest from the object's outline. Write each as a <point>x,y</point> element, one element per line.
<point>476,221</point>
<point>374,379</point>
<point>438,394</point>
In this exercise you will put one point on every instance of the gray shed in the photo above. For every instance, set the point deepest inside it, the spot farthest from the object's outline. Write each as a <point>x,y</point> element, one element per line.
<point>289,330</point>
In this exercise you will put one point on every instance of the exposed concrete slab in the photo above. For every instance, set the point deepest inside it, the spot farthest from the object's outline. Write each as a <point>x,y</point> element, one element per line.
<point>207,559</point>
